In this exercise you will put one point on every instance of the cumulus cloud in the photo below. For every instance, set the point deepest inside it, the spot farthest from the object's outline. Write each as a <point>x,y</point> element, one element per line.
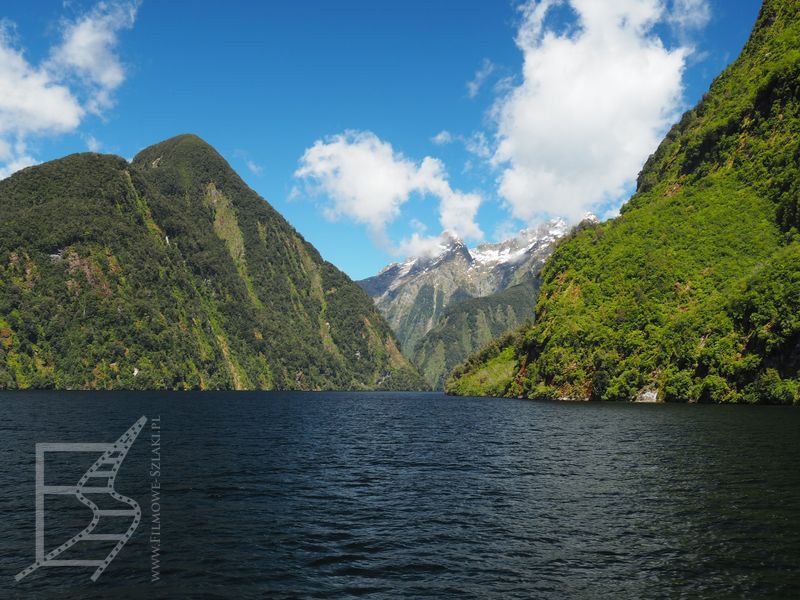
<point>55,96</point>
<point>418,244</point>
<point>365,180</point>
<point>481,75</point>
<point>88,50</point>
<point>32,101</point>
<point>592,104</point>
<point>477,144</point>
<point>418,225</point>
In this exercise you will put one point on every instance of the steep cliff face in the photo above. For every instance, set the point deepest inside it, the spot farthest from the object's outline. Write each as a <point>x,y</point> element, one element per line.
<point>693,293</point>
<point>413,295</point>
<point>171,273</point>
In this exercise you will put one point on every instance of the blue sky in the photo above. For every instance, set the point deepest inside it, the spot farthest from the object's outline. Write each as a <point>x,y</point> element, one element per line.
<point>331,110</point>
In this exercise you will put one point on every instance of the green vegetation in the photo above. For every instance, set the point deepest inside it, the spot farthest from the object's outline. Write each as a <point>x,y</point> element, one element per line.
<point>694,291</point>
<point>426,309</point>
<point>488,371</point>
<point>468,325</point>
<point>170,273</point>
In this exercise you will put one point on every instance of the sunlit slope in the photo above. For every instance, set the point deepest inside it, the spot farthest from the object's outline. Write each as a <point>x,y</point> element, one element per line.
<point>693,293</point>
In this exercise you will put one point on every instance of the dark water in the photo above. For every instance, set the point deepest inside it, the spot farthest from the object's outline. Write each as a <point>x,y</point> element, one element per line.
<point>418,495</point>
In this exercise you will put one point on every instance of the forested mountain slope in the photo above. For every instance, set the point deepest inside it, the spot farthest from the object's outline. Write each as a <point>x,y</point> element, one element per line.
<point>468,325</point>
<point>171,273</point>
<point>693,293</point>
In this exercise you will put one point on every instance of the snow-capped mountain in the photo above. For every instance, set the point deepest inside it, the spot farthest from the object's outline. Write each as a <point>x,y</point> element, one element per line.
<point>413,294</point>
<point>516,249</point>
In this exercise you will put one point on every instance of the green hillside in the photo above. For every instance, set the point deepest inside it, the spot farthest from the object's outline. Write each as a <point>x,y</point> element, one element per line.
<point>170,273</point>
<point>693,293</point>
<point>468,325</point>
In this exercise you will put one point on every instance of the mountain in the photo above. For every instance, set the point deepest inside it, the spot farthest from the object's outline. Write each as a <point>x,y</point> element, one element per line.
<point>170,273</point>
<point>693,293</point>
<point>446,305</point>
<point>468,325</point>
<point>414,294</point>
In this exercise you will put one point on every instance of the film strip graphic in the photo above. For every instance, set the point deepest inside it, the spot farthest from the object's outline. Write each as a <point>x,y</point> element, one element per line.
<point>97,480</point>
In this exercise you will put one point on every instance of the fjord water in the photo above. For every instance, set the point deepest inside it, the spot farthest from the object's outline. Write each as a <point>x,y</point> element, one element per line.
<point>420,495</point>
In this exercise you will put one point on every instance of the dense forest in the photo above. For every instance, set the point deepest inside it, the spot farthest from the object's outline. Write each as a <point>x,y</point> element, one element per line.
<point>468,325</point>
<point>170,273</point>
<point>693,293</point>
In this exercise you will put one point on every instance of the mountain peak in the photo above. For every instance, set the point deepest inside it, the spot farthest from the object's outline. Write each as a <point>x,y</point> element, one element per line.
<point>192,279</point>
<point>190,159</point>
<point>412,295</point>
<point>177,146</point>
<point>451,238</point>
<point>516,248</point>
<point>450,246</point>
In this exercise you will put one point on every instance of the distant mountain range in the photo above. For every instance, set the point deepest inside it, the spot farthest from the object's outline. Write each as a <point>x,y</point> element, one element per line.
<point>170,273</point>
<point>446,305</point>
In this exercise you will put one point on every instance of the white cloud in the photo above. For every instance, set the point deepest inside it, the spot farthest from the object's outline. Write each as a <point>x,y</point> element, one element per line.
<point>15,164</point>
<point>55,96</point>
<point>457,210</point>
<point>418,225</point>
<point>31,100</point>
<point>418,244</point>
<point>442,138</point>
<point>476,143</point>
<point>365,180</point>
<point>504,85</point>
<point>505,229</point>
<point>253,167</point>
<point>88,49</point>
<point>593,103</point>
<point>484,71</point>
<point>689,14</point>
<point>294,194</point>
<point>93,144</point>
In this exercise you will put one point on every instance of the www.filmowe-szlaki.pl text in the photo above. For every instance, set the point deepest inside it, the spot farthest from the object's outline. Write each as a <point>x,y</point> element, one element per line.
<point>155,499</point>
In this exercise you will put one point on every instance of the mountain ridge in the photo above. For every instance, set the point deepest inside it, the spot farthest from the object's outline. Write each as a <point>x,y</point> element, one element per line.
<point>169,272</point>
<point>451,301</point>
<point>413,294</point>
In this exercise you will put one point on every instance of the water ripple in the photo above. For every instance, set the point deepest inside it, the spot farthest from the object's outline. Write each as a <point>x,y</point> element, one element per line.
<point>418,495</point>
